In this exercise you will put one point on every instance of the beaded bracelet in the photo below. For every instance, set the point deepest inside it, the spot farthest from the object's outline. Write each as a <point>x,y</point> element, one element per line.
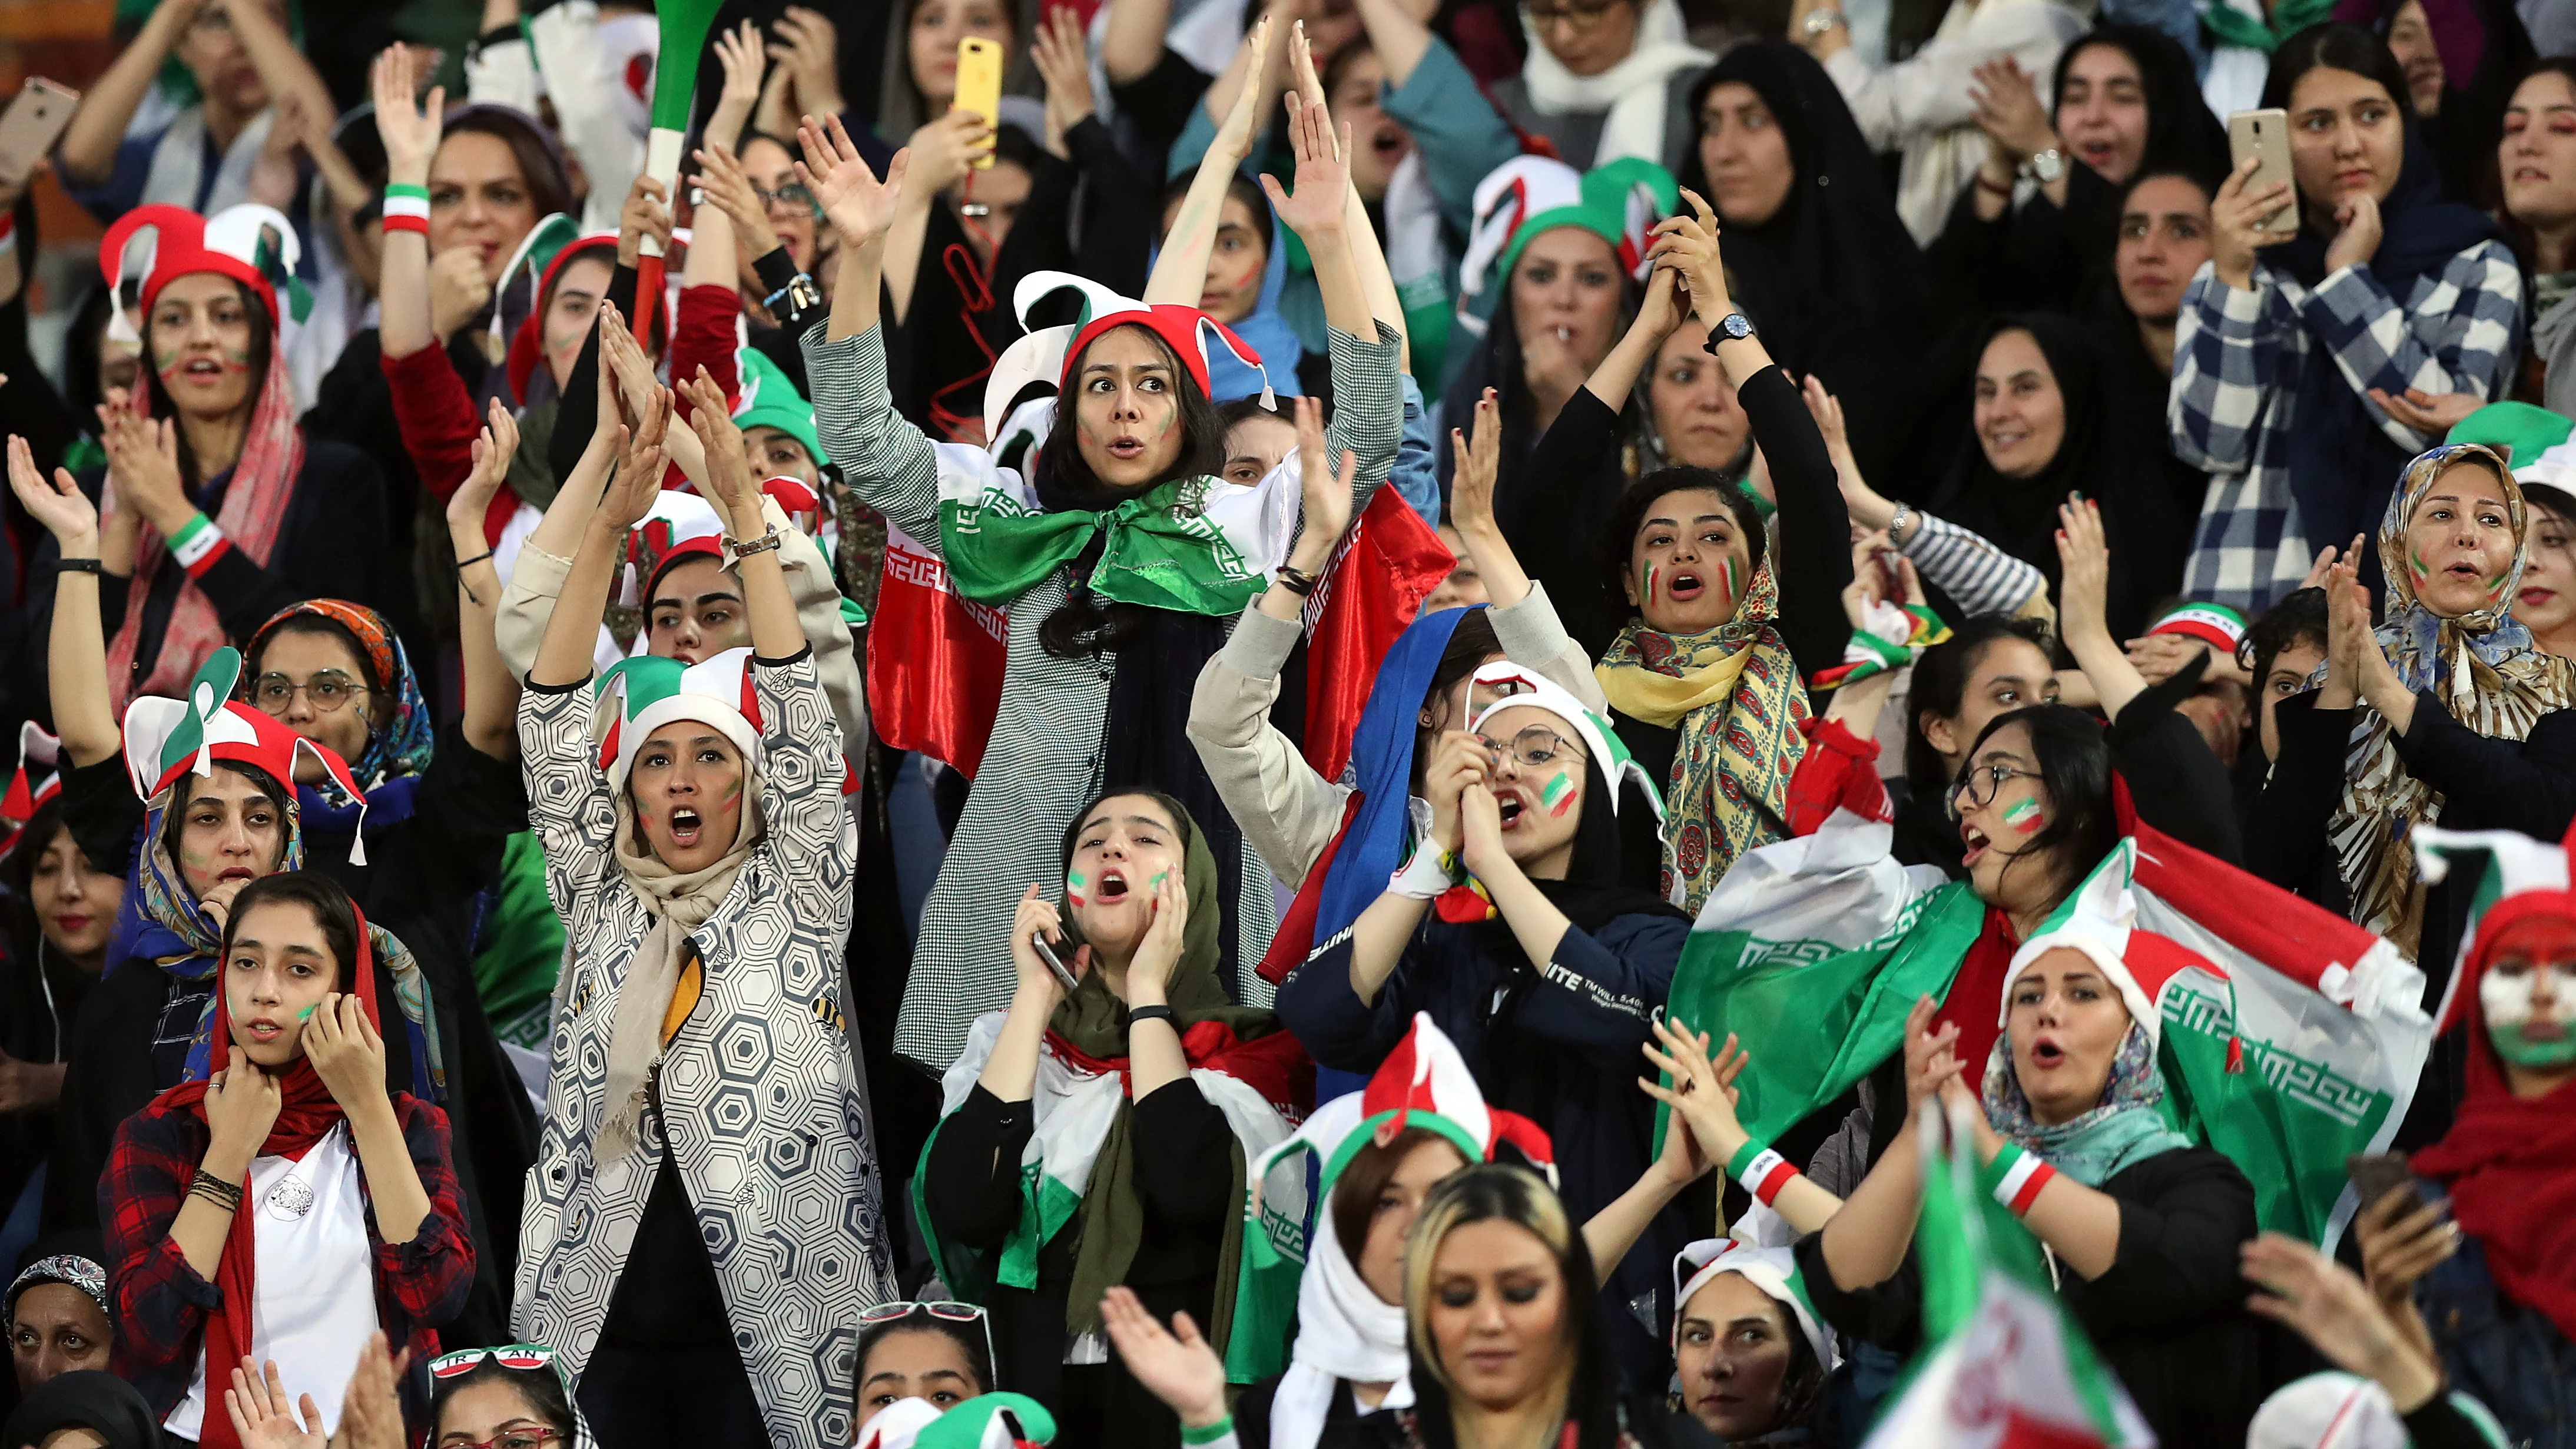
<point>225,1195</point>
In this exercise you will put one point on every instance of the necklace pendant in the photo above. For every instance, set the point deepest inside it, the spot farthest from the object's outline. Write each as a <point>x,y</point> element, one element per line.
<point>292,1199</point>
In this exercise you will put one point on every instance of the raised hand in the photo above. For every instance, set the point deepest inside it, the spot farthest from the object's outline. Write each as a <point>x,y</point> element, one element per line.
<point>1320,206</point>
<point>408,128</point>
<point>647,213</point>
<point>1149,973</point>
<point>2402,1239</point>
<point>1325,494</point>
<point>859,206</point>
<point>630,372</point>
<point>809,49</point>
<point>1177,1366</point>
<point>494,447</point>
<point>1458,760</point>
<point>944,148</point>
<point>2237,215</point>
<point>2008,109</point>
<point>2332,1310</point>
<point>739,51</point>
<point>1665,303</point>
<point>737,492</point>
<point>1471,486</point>
<point>1064,61</point>
<point>1931,1057</point>
<point>60,506</point>
<point>1234,138</point>
<point>2084,561</point>
<point>370,1414</point>
<point>1035,916</point>
<point>1702,1091</point>
<point>261,1414</point>
<point>728,187</point>
<point>1480,826</point>
<point>143,462</point>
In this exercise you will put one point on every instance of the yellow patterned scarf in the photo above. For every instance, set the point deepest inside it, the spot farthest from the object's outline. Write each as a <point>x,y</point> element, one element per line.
<point>1736,695</point>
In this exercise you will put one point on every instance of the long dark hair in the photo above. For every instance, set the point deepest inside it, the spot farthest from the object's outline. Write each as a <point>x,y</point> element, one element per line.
<point>540,166</point>
<point>1083,626</point>
<point>263,342</point>
<point>332,910</point>
<point>2074,758</point>
<point>1490,1192</point>
<point>970,1344</point>
<point>1940,687</point>
<point>1470,645</point>
<point>2338,46</point>
<point>1619,529</point>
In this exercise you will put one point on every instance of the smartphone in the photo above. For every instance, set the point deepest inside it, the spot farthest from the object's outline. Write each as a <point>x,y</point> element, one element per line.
<point>2377,1174</point>
<point>2264,136</point>
<point>979,86</point>
<point>1046,953</point>
<point>33,123</point>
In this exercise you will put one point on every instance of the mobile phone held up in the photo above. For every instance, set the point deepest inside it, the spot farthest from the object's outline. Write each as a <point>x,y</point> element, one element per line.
<point>2264,137</point>
<point>979,87</point>
<point>1054,963</point>
<point>33,123</point>
<point>2377,1174</point>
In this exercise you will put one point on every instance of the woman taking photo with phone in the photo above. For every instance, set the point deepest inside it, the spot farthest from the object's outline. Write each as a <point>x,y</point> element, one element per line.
<point>1144,1039</point>
<point>2287,356</point>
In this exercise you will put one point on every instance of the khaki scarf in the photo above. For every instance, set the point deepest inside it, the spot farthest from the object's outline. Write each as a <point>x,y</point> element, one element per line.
<point>680,903</point>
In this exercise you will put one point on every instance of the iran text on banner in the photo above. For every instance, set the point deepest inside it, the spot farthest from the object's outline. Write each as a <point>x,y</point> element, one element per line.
<point>1374,585</point>
<point>2003,1365</point>
<point>2301,1047</point>
<point>935,660</point>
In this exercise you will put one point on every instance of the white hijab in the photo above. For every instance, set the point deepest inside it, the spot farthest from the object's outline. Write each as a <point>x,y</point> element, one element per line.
<point>1344,1332</point>
<point>1631,92</point>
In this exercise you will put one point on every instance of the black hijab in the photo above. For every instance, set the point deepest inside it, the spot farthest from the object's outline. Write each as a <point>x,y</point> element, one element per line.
<point>2180,129</point>
<point>2102,455</point>
<point>1837,238</point>
<point>89,1399</point>
<point>2485,54</point>
<point>2342,467</point>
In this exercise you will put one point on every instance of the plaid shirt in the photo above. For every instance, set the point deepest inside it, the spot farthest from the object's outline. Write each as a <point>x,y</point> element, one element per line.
<point>2237,356</point>
<point>159,1303</point>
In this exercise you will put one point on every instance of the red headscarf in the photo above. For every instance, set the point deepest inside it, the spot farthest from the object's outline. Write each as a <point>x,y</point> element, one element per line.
<point>2510,1162</point>
<point>308,1114</point>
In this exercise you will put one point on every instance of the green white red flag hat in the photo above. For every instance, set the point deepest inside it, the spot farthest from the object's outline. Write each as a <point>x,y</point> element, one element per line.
<point>1519,687</point>
<point>2216,625</point>
<point>2522,877</point>
<point>166,738</point>
<point>29,789</point>
<point>648,692</point>
<point>1773,1270</point>
<point>2346,1411</point>
<point>898,1425</point>
<point>2100,920</point>
<point>999,1420</point>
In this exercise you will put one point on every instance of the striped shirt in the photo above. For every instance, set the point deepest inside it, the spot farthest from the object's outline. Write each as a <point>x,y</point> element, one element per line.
<point>1045,758</point>
<point>2232,408</point>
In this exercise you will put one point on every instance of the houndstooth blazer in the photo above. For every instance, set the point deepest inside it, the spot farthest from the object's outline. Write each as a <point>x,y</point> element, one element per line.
<point>756,1094</point>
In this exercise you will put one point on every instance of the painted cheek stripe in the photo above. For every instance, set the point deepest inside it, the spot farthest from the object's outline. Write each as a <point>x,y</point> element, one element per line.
<point>1074,886</point>
<point>1558,797</point>
<point>2025,817</point>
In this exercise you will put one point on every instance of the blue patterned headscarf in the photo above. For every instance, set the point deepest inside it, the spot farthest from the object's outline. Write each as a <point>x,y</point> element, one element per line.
<point>2126,1127</point>
<point>397,756</point>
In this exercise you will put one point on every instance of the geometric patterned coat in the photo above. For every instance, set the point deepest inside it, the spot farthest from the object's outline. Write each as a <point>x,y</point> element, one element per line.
<point>758,1095</point>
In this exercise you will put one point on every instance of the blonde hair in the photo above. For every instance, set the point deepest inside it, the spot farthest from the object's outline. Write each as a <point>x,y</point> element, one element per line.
<point>1490,1192</point>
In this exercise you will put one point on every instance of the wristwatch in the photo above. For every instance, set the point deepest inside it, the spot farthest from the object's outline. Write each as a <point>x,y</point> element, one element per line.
<point>1820,21</point>
<point>1736,326</point>
<point>2043,167</point>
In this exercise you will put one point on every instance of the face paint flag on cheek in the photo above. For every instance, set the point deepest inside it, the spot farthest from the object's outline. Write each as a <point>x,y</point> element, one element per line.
<point>2506,998</point>
<point>1558,797</point>
<point>1074,886</point>
<point>1647,593</point>
<point>2025,817</point>
<point>1734,582</point>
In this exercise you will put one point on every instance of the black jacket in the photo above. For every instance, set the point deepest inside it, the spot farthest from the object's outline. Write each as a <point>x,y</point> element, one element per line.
<point>1644,1417</point>
<point>2168,1316</point>
<point>972,1189</point>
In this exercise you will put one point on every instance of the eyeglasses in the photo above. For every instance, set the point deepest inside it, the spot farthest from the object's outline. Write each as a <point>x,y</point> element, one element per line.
<point>327,690</point>
<point>794,196</point>
<point>948,1309</point>
<point>1533,747</point>
<point>525,1436</point>
<point>524,1357</point>
<point>1980,782</point>
<point>1576,17</point>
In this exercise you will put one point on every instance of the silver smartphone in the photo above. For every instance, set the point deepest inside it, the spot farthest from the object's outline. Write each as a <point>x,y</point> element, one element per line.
<point>34,122</point>
<point>2264,136</point>
<point>1055,963</point>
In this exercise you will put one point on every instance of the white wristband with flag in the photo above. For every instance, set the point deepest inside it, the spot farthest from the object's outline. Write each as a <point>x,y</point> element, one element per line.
<point>2024,1175</point>
<point>1763,1171</point>
<point>1430,872</point>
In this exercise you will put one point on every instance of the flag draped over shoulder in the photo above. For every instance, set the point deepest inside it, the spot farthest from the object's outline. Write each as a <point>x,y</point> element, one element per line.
<point>2003,1365</point>
<point>2299,1044</point>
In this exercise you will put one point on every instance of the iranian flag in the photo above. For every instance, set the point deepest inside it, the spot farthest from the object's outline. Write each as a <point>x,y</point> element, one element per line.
<point>1388,563</point>
<point>935,660</point>
<point>2296,1041</point>
<point>2003,1365</point>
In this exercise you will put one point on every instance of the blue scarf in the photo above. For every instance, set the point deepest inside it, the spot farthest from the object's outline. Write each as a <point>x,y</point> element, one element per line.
<point>2342,466</point>
<point>1266,332</point>
<point>2127,1127</point>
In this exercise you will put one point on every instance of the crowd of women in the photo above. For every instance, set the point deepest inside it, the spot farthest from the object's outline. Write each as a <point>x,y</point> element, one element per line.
<point>998,815</point>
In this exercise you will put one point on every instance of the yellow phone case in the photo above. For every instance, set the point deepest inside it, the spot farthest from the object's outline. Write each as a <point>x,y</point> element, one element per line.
<point>979,86</point>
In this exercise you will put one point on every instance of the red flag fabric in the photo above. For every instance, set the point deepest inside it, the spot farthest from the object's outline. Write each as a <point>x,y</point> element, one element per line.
<point>1388,563</point>
<point>935,660</point>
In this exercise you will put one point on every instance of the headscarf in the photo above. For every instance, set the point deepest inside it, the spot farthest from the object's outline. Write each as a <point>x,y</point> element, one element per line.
<point>2487,674</point>
<point>2181,131</point>
<point>69,1269</point>
<point>1089,1029</point>
<point>2510,1162</point>
<point>306,1115</point>
<point>1629,96</point>
<point>2127,1126</point>
<point>1735,694</point>
<point>89,1399</point>
<point>1377,821</point>
<point>402,747</point>
<point>2485,52</point>
<point>2338,453</point>
<point>257,490</point>
<point>1836,245</point>
<point>1265,330</point>
<point>2106,452</point>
